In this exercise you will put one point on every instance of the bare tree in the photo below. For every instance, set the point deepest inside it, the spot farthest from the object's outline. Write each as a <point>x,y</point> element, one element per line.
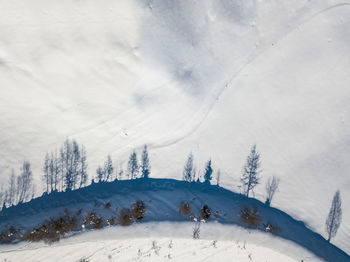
<point>20,189</point>
<point>51,172</point>
<point>145,165</point>
<point>100,174</point>
<point>334,217</point>
<point>196,229</point>
<point>52,168</point>
<point>12,192</point>
<point>196,175</point>
<point>66,169</point>
<point>2,197</point>
<point>70,155</point>
<point>46,177</point>
<point>133,166</point>
<point>189,172</point>
<point>108,168</point>
<point>83,168</point>
<point>104,173</point>
<point>25,183</point>
<point>250,175</point>
<point>62,170</point>
<point>56,170</point>
<point>75,164</point>
<point>218,177</point>
<point>67,158</point>
<point>271,188</point>
<point>120,173</point>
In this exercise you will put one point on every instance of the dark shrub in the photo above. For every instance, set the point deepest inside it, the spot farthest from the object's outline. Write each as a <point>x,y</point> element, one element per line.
<point>52,230</point>
<point>110,221</point>
<point>205,212</point>
<point>216,214</point>
<point>125,217</point>
<point>138,210</point>
<point>93,221</point>
<point>42,233</point>
<point>78,213</point>
<point>9,235</point>
<point>185,208</point>
<point>250,217</point>
<point>107,205</point>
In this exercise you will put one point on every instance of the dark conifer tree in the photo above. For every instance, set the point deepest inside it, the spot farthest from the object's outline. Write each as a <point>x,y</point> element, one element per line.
<point>208,172</point>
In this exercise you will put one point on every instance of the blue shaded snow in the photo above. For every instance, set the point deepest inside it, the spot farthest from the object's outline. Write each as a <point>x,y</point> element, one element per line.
<point>162,198</point>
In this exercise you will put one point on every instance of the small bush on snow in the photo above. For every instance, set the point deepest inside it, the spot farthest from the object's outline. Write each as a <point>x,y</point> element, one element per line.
<point>9,235</point>
<point>216,214</point>
<point>107,205</point>
<point>138,210</point>
<point>78,213</point>
<point>185,208</point>
<point>205,212</point>
<point>110,221</point>
<point>250,217</point>
<point>93,220</point>
<point>52,230</point>
<point>125,217</point>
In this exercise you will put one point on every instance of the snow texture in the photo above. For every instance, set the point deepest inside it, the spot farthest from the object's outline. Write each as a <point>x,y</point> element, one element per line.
<point>119,244</point>
<point>208,77</point>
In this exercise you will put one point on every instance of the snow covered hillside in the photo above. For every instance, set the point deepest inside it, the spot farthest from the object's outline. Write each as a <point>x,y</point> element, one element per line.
<point>162,198</point>
<point>118,244</point>
<point>211,77</point>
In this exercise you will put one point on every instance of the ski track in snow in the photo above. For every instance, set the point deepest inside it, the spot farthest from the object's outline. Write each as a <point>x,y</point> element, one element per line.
<point>236,74</point>
<point>200,115</point>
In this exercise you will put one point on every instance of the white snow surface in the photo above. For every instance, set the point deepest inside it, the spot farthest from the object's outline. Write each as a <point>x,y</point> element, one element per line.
<point>166,241</point>
<point>211,77</point>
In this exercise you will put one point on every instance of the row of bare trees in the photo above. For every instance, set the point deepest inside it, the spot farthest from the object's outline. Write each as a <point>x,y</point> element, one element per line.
<point>135,168</point>
<point>20,188</point>
<point>65,169</point>
<point>190,173</point>
<point>250,178</point>
<point>250,175</point>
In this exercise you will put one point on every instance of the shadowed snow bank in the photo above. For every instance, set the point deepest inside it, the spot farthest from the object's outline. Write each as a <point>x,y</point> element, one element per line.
<point>162,198</point>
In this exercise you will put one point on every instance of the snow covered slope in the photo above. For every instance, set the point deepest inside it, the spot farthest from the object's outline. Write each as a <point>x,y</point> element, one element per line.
<point>162,198</point>
<point>211,77</point>
<point>154,244</point>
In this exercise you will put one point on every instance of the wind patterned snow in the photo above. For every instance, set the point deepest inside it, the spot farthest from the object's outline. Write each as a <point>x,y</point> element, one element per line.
<point>211,77</point>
